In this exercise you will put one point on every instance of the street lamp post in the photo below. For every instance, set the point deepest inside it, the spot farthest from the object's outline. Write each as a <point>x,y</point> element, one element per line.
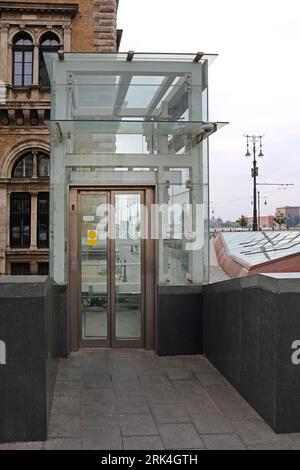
<point>258,194</point>
<point>258,197</point>
<point>254,140</point>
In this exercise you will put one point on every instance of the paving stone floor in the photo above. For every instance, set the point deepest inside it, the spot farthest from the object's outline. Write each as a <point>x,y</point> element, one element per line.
<point>134,399</point>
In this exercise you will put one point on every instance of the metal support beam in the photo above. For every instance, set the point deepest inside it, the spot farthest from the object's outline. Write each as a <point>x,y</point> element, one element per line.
<point>106,113</point>
<point>117,177</point>
<point>128,160</point>
<point>160,93</point>
<point>175,98</point>
<point>123,87</point>
<point>58,132</point>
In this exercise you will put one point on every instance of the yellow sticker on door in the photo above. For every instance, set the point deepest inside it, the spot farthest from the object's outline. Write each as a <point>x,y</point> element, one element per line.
<point>92,237</point>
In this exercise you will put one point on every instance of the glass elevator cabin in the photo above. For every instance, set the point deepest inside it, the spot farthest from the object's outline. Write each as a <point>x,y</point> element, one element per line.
<point>128,191</point>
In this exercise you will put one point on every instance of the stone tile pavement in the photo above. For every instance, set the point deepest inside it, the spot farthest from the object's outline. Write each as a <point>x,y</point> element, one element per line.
<point>134,399</point>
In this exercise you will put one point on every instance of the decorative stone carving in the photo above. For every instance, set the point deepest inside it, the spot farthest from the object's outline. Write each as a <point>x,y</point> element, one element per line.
<point>24,118</point>
<point>67,27</point>
<point>34,118</point>
<point>19,117</point>
<point>2,92</point>
<point>4,117</point>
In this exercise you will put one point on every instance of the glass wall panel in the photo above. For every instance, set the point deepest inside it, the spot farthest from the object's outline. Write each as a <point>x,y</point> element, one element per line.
<point>94,259</point>
<point>128,266</point>
<point>182,237</point>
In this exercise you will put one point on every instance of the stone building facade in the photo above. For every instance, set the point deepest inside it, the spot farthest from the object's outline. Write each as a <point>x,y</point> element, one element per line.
<point>26,30</point>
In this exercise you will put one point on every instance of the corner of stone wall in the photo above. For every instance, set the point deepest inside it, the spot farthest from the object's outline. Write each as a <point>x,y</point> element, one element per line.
<point>105,25</point>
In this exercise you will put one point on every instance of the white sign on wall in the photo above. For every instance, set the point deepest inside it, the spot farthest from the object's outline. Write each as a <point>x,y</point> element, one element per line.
<point>2,353</point>
<point>88,218</point>
<point>296,353</point>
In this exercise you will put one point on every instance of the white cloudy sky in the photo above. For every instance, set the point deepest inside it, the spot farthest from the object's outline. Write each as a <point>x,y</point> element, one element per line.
<point>254,84</point>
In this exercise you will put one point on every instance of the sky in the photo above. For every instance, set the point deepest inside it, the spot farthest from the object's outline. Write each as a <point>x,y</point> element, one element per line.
<point>254,84</point>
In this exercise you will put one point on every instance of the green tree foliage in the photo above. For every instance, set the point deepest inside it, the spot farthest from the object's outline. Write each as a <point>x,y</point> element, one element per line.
<point>220,223</point>
<point>280,219</point>
<point>242,221</point>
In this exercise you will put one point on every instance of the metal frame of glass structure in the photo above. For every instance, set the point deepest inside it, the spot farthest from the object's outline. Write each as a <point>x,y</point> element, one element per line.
<point>121,119</point>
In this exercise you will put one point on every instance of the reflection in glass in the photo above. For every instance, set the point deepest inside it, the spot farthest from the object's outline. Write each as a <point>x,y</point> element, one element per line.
<point>49,43</point>
<point>94,306</point>
<point>23,168</point>
<point>128,303</point>
<point>43,165</point>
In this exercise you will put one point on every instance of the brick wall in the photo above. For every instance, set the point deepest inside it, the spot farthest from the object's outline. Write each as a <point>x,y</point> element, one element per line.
<point>105,23</point>
<point>94,26</point>
<point>93,29</point>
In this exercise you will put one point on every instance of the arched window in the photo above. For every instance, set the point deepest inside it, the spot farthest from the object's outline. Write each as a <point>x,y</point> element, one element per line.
<point>32,164</point>
<point>22,60</point>
<point>49,43</point>
<point>43,166</point>
<point>23,167</point>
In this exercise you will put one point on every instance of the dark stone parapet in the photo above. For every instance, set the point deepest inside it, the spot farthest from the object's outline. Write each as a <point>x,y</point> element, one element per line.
<point>251,329</point>
<point>179,320</point>
<point>28,371</point>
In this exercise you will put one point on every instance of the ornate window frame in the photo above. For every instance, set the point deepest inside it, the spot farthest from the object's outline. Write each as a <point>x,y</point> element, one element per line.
<point>23,50</point>
<point>10,158</point>
<point>45,16</point>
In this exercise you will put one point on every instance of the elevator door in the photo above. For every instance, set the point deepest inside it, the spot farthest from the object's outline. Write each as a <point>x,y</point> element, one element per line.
<point>112,269</point>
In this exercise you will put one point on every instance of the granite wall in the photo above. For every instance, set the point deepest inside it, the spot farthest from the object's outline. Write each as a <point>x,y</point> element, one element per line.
<point>27,376</point>
<point>251,331</point>
<point>179,320</point>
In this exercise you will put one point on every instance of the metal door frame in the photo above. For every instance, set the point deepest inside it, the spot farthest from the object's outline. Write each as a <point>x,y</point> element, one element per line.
<point>90,343</point>
<point>148,292</point>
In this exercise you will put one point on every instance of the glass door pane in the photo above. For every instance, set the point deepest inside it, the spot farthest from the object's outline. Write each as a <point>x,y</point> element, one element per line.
<point>94,267</point>
<point>128,269</point>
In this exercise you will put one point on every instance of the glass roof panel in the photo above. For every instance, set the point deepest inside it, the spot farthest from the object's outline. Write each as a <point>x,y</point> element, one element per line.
<point>93,89</point>
<point>174,128</point>
<point>254,248</point>
<point>144,56</point>
<point>126,95</point>
<point>141,91</point>
<point>51,57</point>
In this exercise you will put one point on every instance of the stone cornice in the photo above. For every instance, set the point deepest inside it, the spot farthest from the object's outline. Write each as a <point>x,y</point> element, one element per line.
<point>53,8</point>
